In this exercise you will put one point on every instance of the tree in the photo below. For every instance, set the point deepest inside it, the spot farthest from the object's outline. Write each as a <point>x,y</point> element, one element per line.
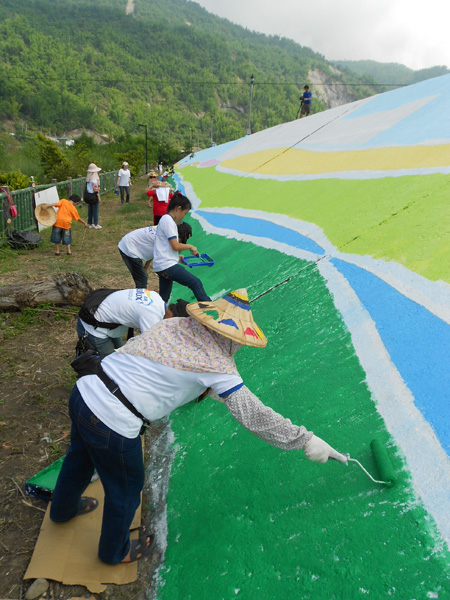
<point>55,164</point>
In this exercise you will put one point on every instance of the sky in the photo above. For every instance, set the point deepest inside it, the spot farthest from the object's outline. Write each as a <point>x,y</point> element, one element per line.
<point>414,33</point>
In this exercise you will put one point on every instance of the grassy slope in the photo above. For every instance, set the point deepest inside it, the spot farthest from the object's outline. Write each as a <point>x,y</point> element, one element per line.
<point>246,519</point>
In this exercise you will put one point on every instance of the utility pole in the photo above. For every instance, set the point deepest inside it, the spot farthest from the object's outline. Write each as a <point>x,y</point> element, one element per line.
<point>146,149</point>
<point>212,135</point>
<point>249,129</point>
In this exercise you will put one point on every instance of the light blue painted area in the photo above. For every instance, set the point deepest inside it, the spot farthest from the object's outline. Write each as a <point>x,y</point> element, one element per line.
<point>417,341</point>
<point>401,96</point>
<point>180,186</point>
<point>422,126</point>
<point>262,229</point>
<point>209,153</point>
<point>414,338</point>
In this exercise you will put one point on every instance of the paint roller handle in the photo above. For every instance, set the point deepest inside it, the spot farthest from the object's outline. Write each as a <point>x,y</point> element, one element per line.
<point>319,451</point>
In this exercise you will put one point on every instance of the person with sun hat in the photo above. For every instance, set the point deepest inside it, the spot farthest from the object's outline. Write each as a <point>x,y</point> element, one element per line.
<point>172,363</point>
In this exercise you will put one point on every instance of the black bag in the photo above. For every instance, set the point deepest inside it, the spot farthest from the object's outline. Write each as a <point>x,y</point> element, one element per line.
<point>83,345</point>
<point>87,363</point>
<point>90,306</point>
<point>89,197</point>
<point>23,240</point>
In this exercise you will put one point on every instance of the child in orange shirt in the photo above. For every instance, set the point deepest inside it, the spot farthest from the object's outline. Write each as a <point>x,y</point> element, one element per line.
<point>61,232</point>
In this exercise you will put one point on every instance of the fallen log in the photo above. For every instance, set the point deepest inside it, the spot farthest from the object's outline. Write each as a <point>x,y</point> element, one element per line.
<point>59,289</point>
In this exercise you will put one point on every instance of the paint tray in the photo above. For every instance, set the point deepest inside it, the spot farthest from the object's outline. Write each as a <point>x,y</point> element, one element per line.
<point>43,483</point>
<point>203,260</point>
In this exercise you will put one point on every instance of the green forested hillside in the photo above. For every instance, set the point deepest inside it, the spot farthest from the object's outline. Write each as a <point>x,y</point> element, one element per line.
<point>170,65</point>
<point>391,73</point>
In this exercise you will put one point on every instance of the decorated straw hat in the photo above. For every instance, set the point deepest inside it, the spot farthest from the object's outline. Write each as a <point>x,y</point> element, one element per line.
<point>45,216</point>
<point>230,316</point>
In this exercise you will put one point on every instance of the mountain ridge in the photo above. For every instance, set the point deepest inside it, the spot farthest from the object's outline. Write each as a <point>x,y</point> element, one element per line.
<point>185,73</point>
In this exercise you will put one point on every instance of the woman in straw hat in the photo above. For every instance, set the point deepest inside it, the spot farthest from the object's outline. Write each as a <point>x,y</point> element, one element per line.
<point>171,364</point>
<point>92,197</point>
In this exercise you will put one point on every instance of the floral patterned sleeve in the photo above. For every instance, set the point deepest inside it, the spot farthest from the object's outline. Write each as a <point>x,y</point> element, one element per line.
<point>265,422</point>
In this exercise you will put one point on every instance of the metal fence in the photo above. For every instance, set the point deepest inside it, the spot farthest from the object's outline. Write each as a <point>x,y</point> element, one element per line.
<point>24,201</point>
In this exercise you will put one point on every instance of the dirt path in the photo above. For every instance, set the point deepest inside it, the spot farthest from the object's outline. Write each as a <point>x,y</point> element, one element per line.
<point>36,347</point>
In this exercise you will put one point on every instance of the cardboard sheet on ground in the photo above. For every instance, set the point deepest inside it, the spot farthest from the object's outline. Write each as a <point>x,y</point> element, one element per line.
<point>67,552</point>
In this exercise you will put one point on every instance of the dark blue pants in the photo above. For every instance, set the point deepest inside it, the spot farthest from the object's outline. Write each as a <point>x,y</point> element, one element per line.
<point>120,465</point>
<point>124,190</point>
<point>183,277</point>
<point>105,346</point>
<point>93,213</point>
<point>136,268</point>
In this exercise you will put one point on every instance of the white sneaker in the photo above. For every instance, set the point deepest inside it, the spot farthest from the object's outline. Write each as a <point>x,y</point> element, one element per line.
<point>91,226</point>
<point>97,226</point>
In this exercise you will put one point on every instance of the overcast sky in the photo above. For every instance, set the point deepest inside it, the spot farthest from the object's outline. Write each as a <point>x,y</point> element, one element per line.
<point>415,33</point>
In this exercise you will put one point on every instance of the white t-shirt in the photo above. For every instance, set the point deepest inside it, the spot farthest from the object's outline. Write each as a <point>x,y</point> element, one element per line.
<point>124,176</point>
<point>154,389</point>
<point>137,308</point>
<point>164,256</point>
<point>139,243</point>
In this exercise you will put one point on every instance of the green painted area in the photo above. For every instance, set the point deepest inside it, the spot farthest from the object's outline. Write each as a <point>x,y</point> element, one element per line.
<point>405,219</point>
<point>246,520</point>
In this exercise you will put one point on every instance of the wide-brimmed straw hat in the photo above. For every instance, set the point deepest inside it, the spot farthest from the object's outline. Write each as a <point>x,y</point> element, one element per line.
<point>230,316</point>
<point>45,216</point>
<point>92,168</point>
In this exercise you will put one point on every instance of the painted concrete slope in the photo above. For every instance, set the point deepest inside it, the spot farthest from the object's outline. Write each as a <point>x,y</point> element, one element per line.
<point>338,226</point>
<point>247,520</point>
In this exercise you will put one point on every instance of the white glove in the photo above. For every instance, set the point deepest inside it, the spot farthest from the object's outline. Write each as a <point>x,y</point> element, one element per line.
<point>319,451</point>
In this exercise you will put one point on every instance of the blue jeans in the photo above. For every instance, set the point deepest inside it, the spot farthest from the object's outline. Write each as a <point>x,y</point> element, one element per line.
<point>61,236</point>
<point>136,268</point>
<point>105,346</point>
<point>120,465</point>
<point>124,190</point>
<point>183,277</point>
<point>93,214</point>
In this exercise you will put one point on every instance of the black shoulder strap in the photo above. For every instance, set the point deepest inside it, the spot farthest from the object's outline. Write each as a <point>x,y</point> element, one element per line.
<point>90,306</point>
<point>115,389</point>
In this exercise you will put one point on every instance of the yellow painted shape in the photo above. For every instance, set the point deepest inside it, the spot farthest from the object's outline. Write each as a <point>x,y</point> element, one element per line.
<point>292,161</point>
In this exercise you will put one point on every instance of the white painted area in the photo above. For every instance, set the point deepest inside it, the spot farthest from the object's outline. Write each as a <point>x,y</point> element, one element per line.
<point>291,134</point>
<point>328,131</point>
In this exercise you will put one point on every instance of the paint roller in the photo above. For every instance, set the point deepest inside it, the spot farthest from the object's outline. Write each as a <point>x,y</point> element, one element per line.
<point>382,461</point>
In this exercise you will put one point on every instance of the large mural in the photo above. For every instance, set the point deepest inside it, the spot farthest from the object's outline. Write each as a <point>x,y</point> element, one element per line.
<point>338,226</point>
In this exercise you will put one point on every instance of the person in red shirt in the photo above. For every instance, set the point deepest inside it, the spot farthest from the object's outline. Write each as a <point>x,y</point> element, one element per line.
<point>160,195</point>
<point>62,232</point>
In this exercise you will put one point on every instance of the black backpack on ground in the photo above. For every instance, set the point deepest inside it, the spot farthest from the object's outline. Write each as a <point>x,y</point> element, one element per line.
<point>24,240</point>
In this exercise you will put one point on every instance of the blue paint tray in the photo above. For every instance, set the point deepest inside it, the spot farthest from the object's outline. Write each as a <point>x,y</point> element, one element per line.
<point>197,261</point>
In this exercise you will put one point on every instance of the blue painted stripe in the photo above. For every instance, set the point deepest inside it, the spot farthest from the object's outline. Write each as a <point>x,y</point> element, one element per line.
<point>417,341</point>
<point>261,228</point>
